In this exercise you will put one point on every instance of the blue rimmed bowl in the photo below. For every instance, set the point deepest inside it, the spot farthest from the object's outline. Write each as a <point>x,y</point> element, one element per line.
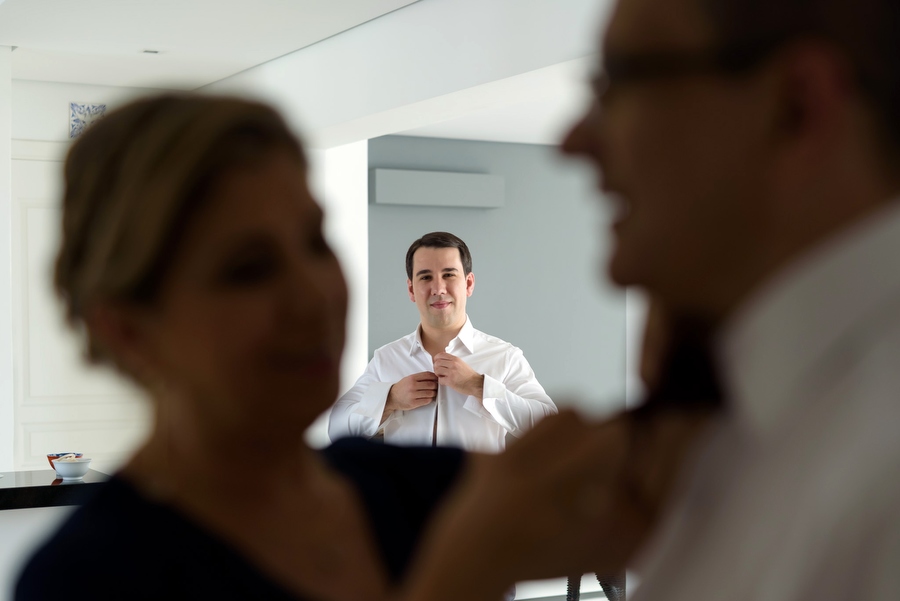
<point>51,457</point>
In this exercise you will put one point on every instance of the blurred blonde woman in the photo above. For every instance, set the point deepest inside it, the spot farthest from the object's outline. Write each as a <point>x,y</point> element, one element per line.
<point>193,260</point>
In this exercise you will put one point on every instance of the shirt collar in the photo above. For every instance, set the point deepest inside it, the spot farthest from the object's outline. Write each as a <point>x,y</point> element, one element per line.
<point>776,346</point>
<point>465,337</point>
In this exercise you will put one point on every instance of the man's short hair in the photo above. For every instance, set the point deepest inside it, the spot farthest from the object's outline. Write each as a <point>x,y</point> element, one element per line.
<point>439,240</point>
<point>865,31</point>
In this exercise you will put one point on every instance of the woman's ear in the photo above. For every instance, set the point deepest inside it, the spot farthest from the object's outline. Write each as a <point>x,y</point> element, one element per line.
<point>122,332</point>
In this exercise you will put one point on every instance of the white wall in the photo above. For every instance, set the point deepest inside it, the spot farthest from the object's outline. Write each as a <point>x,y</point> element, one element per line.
<point>339,178</point>
<point>41,109</point>
<point>60,403</point>
<point>6,357</point>
<point>43,392</point>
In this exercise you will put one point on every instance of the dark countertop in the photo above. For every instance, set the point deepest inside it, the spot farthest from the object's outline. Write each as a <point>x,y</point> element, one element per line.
<point>41,488</point>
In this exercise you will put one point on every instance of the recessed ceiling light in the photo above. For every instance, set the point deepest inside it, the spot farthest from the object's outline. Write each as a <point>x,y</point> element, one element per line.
<point>151,51</point>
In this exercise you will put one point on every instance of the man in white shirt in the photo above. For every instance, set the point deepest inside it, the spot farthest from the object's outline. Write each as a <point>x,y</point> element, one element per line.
<point>446,383</point>
<point>753,148</point>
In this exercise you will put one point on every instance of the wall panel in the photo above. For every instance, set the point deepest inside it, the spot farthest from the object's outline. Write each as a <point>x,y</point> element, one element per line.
<point>60,403</point>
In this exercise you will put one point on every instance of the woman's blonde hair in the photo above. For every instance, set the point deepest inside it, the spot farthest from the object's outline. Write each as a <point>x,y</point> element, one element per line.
<point>133,180</point>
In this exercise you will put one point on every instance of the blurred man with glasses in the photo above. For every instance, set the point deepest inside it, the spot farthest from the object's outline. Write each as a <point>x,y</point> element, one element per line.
<point>752,148</point>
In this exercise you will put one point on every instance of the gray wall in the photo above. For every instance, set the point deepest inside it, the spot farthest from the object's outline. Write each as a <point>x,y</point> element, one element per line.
<point>538,262</point>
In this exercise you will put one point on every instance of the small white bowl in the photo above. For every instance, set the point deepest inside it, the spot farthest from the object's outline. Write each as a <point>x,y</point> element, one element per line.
<point>74,469</point>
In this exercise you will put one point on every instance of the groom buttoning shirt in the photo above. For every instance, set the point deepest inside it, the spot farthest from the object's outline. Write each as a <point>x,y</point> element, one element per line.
<point>446,383</point>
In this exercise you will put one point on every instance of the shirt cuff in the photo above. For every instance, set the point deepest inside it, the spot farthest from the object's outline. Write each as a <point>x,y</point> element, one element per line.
<point>492,391</point>
<point>495,392</point>
<point>374,400</point>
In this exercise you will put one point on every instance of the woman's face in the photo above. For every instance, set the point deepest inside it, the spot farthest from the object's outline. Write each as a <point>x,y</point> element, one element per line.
<point>249,324</point>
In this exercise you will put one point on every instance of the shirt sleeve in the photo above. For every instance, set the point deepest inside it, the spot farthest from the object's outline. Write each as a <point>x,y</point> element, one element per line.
<point>358,412</point>
<point>517,402</point>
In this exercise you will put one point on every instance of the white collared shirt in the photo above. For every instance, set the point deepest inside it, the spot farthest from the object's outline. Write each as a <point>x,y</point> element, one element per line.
<point>513,401</point>
<point>795,495</point>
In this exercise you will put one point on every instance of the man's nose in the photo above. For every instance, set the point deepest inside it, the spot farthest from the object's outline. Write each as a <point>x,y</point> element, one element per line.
<point>573,141</point>
<point>438,287</point>
<point>584,136</point>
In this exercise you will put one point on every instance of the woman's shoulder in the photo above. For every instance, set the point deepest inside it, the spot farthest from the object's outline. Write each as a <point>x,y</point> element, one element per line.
<point>122,545</point>
<point>100,537</point>
<point>109,517</point>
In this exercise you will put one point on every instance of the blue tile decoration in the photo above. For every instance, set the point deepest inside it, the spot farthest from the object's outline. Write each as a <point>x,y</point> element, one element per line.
<point>81,116</point>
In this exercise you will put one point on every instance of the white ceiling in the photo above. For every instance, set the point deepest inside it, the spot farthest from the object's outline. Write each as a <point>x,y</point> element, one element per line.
<point>102,42</point>
<point>533,108</point>
<point>199,41</point>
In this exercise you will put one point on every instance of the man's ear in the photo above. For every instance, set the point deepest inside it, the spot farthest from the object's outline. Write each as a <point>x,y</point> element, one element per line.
<point>121,331</point>
<point>409,289</point>
<point>819,85</point>
<point>470,283</point>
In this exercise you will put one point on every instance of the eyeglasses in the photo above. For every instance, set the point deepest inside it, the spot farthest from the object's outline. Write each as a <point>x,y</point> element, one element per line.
<point>732,60</point>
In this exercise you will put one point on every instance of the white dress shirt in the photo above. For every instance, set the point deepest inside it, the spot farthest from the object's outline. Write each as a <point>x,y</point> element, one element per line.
<point>795,495</point>
<point>513,400</point>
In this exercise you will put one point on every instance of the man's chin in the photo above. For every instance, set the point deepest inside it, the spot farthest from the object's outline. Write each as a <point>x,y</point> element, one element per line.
<point>621,272</point>
<point>441,321</point>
